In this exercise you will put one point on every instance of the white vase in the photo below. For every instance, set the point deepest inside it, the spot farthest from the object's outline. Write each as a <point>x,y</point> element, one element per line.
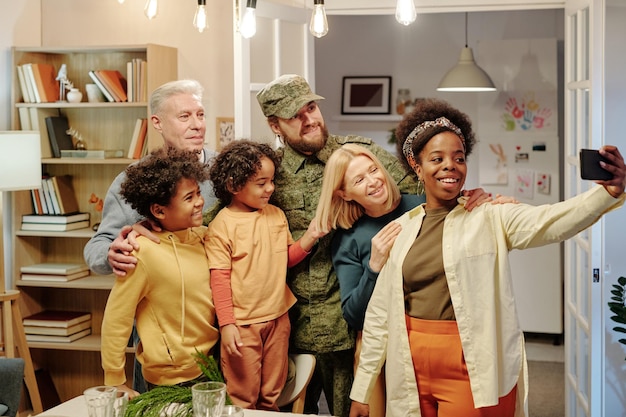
<point>74,95</point>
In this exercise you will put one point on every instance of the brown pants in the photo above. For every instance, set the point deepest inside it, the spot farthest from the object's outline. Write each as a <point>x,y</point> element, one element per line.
<point>377,401</point>
<point>441,374</point>
<point>256,379</point>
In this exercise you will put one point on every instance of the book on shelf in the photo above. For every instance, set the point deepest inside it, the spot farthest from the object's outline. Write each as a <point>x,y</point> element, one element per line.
<point>58,331</point>
<point>57,127</point>
<point>93,153</point>
<point>52,227</point>
<point>141,145</point>
<point>29,77</point>
<point>130,83</point>
<point>46,83</point>
<point>57,339</point>
<point>50,196</point>
<point>58,268</point>
<point>46,201</point>
<point>115,82</point>
<point>135,139</point>
<point>54,218</point>
<point>64,191</point>
<point>56,318</point>
<point>24,114</point>
<point>101,86</point>
<point>22,81</point>
<point>37,206</point>
<point>54,277</point>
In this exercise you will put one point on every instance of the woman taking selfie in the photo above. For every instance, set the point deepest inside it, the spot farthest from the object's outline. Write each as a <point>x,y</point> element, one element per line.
<point>443,304</point>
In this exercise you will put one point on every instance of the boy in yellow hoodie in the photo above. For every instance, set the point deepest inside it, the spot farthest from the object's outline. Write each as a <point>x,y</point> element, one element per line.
<point>168,293</point>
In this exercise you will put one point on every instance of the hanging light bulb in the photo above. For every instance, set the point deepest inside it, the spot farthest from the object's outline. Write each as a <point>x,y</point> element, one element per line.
<point>199,19</point>
<point>247,27</point>
<point>405,12</point>
<point>319,23</point>
<point>151,9</point>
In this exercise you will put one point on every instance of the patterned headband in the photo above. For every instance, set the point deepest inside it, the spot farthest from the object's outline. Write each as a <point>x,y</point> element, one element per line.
<point>407,147</point>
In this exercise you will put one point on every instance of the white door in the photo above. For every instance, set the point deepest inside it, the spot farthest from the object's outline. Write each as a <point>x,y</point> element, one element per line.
<point>282,45</point>
<point>584,116</point>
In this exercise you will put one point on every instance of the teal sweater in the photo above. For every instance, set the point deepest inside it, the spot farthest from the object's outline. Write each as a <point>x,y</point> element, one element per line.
<point>351,250</point>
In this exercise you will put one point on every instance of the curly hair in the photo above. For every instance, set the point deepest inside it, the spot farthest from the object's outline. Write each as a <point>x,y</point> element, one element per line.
<point>239,161</point>
<point>430,109</point>
<point>154,179</point>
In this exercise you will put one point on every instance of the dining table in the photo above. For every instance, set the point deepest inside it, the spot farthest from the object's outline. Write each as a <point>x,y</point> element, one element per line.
<point>76,407</point>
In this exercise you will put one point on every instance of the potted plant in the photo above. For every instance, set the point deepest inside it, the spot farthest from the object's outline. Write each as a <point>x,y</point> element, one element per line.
<point>617,305</point>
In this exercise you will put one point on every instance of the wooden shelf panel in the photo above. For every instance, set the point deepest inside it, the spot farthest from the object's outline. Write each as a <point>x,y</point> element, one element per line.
<point>89,343</point>
<point>83,104</point>
<point>87,161</point>
<point>91,282</point>
<point>85,233</point>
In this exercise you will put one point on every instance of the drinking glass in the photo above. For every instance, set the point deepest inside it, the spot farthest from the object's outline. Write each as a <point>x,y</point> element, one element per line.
<point>232,411</point>
<point>120,404</point>
<point>100,401</point>
<point>208,399</point>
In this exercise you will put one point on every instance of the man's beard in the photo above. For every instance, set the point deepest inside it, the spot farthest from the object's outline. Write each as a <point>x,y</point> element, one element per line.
<point>309,147</point>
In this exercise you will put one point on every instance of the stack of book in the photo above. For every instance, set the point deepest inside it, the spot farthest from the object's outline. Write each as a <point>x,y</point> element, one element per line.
<point>55,197</point>
<point>57,326</point>
<point>138,145</point>
<point>136,76</point>
<point>112,84</point>
<point>55,222</point>
<point>38,83</point>
<point>53,271</point>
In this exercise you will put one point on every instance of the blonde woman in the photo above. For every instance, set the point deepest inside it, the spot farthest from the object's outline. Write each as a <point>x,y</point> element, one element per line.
<point>360,199</point>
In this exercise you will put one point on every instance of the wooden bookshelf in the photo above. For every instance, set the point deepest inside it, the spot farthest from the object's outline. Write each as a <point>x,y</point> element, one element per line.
<point>75,366</point>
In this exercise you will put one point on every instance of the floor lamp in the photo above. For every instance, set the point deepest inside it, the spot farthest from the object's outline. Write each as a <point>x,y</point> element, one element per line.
<point>20,169</point>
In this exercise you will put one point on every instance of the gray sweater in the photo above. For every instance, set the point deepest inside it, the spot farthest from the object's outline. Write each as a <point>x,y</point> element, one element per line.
<point>117,213</point>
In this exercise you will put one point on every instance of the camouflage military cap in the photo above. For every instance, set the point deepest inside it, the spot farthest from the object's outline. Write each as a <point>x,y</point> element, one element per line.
<point>285,96</point>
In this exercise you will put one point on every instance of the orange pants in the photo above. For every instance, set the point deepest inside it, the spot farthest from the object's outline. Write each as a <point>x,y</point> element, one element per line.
<point>377,401</point>
<point>256,379</point>
<point>441,374</point>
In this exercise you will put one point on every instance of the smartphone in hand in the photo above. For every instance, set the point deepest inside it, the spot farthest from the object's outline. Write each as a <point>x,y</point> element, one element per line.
<point>590,168</point>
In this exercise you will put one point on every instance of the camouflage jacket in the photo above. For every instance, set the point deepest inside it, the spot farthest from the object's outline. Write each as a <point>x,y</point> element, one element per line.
<point>316,318</point>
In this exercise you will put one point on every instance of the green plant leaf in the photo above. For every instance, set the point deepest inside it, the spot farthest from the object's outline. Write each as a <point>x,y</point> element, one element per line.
<point>619,329</point>
<point>622,281</point>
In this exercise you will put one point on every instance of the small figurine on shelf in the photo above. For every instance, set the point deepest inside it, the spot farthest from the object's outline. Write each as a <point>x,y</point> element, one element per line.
<point>62,79</point>
<point>77,138</point>
<point>98,205</point>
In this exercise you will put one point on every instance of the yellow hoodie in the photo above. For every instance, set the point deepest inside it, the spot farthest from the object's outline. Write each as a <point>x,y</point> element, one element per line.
<point>168,293</point>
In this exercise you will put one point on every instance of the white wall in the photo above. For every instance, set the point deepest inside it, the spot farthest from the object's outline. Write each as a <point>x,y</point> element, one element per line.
<point>615,223</point>
<point>416,56</point>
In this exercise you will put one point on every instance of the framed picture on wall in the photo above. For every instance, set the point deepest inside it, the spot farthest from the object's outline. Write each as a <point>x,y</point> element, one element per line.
<point>366,95</point>
<point>225,131</point>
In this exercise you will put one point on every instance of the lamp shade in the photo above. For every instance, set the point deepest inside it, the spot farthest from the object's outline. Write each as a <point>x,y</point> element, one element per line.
<point>466,76</point>
<point>20,160</point>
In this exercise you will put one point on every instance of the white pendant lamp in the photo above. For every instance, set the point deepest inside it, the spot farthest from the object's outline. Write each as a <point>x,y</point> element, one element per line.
<point>466,75</point>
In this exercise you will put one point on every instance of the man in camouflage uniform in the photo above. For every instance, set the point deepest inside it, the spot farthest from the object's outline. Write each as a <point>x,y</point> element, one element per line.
<point>317,323</point>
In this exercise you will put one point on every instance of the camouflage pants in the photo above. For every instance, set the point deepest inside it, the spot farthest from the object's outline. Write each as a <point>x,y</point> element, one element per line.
<point>333,375</point>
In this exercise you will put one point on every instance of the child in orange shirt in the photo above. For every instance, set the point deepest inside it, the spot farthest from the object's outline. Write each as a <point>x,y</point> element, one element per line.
<point>250,247</point>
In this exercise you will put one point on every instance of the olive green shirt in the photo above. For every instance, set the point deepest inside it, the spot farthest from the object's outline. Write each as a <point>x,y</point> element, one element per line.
<point>316,318</point>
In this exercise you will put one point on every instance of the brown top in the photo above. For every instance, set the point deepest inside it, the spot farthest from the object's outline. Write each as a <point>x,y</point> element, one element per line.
<point>426,294</point>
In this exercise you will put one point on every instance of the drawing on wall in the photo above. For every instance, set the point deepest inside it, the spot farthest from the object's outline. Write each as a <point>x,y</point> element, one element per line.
<point>543,183</point>
<point>498,174</point>
<point>524,183</point>
<point>225,131</point>
<point>526,113</point>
